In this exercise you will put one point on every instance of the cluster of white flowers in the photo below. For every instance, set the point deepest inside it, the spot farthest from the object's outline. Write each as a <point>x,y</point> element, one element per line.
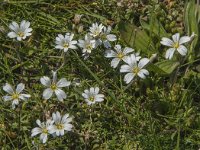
<point>134,65</point>
<point>98,34</point>
<point>56,126</point>
<point>102,35</point>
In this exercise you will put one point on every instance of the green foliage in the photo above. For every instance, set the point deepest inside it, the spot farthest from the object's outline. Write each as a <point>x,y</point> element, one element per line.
<point>168,66</point>
<point>136,38</point>
<point>192,25</point>
<point>141,41</point>
<point>149,114</point>
<point>154,27</point>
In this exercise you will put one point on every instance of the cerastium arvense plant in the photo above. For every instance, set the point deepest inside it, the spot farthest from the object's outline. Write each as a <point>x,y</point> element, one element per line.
<point>135,58</point>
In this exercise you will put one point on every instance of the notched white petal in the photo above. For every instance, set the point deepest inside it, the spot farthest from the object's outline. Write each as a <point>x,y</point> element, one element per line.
<point>143,62</point>
<point>167,42</point>
<point>129,77</point>
<point>182,50</point>
<point>111,37</point>
<point>169,54</point>
<point>8,88</point>
<point>20,88</point>
<point>7,98</point>
<point>45,81</point>
<point>47,93</point>
<point>125,68</point>
<point>63,83</point>
<point>184,39</point>
<point>115,62</point>
<point>60,94</point>
<point>143,73</point>
<point>176,37</point>
<point>12,35</point>
<point>127,50</point>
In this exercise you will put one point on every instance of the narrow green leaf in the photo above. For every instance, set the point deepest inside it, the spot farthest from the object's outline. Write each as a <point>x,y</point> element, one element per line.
<point>192,24</point>
<point>168,66</point>
<point>155,27</point>
<point>48,18</point>
<point>136,38</point>
<point>156,69</point>
<point>94,76</point>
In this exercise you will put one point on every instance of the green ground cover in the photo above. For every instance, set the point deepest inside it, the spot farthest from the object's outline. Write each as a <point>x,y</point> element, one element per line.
<point>156,110</point>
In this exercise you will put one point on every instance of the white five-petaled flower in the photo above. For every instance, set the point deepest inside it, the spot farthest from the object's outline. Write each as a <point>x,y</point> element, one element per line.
<point>61,124</point>
<point>95,30</point>
<point>88,44</point>
<point>175,44</point>
<point>119,55</point>
<point>54,87</point>
<point>65,42</point>
<point>134,68</point>
<point>43,129</point>
<point>106,37</point>
<point>92,95</point>
<point>15,95</point>
<point>20,31</point>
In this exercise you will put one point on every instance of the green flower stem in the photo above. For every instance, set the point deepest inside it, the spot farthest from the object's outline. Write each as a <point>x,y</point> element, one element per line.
<point>174,76</point>
<point>178,138</point>
<point>95,77</point>
<point>17,49</point>
<point>64,61</point>
<point>19,126</point>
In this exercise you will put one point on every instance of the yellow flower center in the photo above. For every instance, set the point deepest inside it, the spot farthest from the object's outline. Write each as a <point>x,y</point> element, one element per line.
<point>176,45</point>
<point>65,45</point>
<point>20,34</point>
<point>15,96</point>
<point>88,46</point>
<point>91,98</point>
<point>45,131</point>
<point>96,32</point>
<point>53,86</point>
<point>120,55</point>
<point>59,126</point>
<point>136,70</point>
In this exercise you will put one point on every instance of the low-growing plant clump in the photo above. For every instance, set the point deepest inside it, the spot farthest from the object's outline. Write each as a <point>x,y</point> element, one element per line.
<point>118,74</point>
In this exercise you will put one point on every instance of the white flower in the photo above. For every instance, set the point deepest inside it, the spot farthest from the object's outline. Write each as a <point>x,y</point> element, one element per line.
<point>102,35</point>
<point>176,44</point>
<point>54,87</point>
<point>65,42</point>
<point>95,30</point>
<point>61,124</point>
<point>92,95</point>
<point>15,95</point>
<point>43,128</point>
<point>88,44</point>
<point>106,37</point>
<point>119,55</point>
<point>134,69</point>
<point>20,31</point>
